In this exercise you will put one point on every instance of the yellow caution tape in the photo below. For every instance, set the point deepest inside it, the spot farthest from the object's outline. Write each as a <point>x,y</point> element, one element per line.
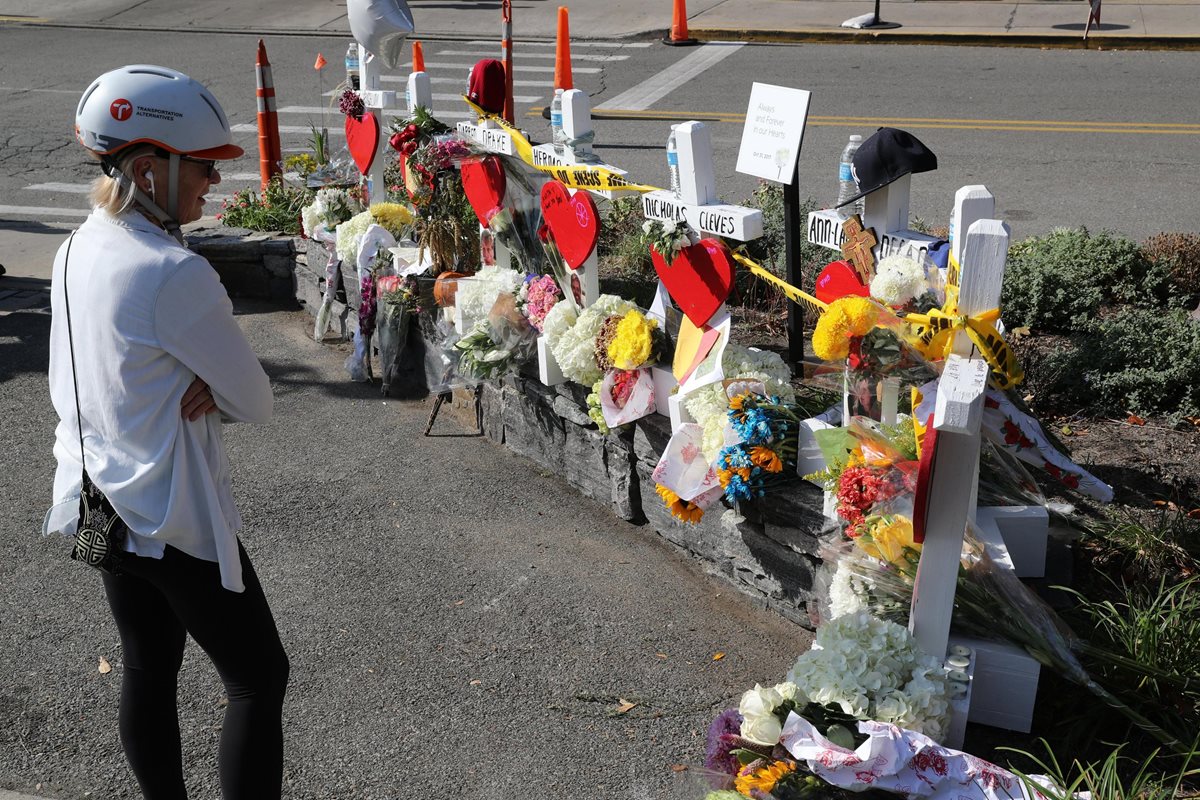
<point>575,176</point>
<point>936,331</point>
<point>795,295</point>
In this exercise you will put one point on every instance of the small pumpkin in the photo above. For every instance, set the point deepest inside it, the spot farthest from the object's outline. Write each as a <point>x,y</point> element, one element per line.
<point>445,286</point>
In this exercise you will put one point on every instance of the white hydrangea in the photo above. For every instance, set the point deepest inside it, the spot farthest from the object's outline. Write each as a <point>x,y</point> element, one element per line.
<point>573,341</point>
<point>874,669</point>
<point>476,295</point>
<point>350,234</point>
<point>898,279</point>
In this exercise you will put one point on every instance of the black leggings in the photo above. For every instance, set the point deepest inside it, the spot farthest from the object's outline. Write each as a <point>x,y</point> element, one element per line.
<point>156,603</point>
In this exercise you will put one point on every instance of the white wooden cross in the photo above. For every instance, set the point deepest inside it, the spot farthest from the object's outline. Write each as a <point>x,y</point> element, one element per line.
<point>698,205</point>
<point>954,484</point>
<point>376,99</point>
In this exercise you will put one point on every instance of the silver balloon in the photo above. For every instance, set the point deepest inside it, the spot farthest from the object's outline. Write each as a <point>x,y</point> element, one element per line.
<point>381,26</point>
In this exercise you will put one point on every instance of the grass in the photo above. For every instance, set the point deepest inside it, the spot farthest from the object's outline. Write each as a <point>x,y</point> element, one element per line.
<point>1117,777</point>
<point>1137,548</point>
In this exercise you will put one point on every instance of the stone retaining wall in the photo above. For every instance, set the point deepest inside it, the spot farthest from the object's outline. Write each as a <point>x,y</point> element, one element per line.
<point>771,554</point>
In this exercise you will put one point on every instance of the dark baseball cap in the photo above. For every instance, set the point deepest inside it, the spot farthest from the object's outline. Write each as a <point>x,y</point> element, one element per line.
<point>888,155</point>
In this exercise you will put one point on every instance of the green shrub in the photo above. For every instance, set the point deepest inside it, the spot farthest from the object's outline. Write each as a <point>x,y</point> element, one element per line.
<point>278,209</point>
<point>622,251</point>
<point>1179,253</point>
<point>1055,283</point>
<point>1144,361</point>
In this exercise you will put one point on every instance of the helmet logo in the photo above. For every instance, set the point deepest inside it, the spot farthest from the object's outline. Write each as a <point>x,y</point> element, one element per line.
<point>121,109</point>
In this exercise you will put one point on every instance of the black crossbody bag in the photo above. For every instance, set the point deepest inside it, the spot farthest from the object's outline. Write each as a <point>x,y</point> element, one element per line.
<point>100,538</point>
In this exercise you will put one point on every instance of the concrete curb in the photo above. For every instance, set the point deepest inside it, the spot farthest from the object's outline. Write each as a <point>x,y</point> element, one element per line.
<point>966,39</point>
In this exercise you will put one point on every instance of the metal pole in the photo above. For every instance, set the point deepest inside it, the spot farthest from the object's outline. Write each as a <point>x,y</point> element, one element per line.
<point>791,238</point>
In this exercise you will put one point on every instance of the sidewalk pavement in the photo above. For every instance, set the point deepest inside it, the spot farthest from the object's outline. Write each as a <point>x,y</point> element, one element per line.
<point>1163,24</point>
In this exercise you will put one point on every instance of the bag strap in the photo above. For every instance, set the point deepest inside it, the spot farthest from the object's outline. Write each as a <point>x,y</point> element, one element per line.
<point>71,341</point>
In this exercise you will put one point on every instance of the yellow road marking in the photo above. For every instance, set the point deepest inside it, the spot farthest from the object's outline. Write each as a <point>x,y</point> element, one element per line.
<point>1039,126</point>
<point>4,18</point>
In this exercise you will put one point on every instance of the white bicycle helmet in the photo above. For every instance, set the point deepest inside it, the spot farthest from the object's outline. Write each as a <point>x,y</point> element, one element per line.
<point>142,104</point>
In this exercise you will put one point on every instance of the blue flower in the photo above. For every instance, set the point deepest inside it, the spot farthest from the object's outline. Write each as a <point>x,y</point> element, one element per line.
<point>738,489</point>
<point>733,457</point>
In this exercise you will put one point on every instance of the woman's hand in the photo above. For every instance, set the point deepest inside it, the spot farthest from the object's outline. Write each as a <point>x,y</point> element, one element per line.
<point>197,401</point>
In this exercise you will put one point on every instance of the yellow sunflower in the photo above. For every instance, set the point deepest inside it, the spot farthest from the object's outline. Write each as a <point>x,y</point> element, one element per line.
<point>682,510</point>
<point>766,458</point>
<point>764,778</point>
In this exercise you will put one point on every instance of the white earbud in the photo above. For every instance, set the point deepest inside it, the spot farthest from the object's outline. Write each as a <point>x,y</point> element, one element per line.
<point>149,176</point>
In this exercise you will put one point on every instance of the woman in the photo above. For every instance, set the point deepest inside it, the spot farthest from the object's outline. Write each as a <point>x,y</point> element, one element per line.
<point>160,363</point>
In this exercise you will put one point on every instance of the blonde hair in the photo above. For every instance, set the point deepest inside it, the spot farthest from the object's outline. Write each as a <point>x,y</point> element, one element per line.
<point>108,194</point>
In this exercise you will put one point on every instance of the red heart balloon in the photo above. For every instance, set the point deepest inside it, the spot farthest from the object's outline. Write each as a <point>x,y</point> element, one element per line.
<point>485,184</point>
<point>699,279</point>
<point>839,279</point>
<point>572,220</point>
<point>362,139</point>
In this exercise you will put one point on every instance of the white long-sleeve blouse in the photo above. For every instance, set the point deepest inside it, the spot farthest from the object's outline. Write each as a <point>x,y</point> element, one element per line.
<point>148,316</point>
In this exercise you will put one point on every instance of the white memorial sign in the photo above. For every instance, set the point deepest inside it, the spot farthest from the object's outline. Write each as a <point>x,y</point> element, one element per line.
<point>773,132</point>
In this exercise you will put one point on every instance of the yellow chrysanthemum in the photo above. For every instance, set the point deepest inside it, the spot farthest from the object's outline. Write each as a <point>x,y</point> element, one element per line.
<point>887,539</point>
<point>843,319</point>
<point>763,779</point>
<point>393,216</point>
<point>633,343</point>
<point>766,458</point>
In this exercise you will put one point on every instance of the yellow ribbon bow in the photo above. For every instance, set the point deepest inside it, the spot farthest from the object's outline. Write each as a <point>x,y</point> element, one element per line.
<point>936,329</point>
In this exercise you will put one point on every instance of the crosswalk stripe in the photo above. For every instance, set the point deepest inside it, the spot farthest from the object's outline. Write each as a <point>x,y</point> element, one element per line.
<point>574,56</point>
<point>546,84</point>
<point>65,188</point>
<point>573,44</point>
<point>658,86</point>
<point>467,68</point>
<point>43,211</point>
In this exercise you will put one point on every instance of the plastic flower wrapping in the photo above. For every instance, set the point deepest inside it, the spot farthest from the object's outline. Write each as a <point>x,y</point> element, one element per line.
<point>477,294</point>
<point>765,453</point>
<point>539,294</point>
<point>709,405</point>
<point>499,342</point>
<point>330,207</point>
<point>572,337</point>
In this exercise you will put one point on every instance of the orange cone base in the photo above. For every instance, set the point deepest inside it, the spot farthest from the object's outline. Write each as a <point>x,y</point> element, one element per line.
<point>679,42</point>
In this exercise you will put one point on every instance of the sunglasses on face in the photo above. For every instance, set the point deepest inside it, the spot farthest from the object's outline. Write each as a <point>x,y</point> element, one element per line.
<point>209,165</point>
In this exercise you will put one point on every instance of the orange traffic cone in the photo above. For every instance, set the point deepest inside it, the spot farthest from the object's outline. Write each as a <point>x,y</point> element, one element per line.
<point>562,54</point>
<point>418,58</point>
<point>679,29</point>
<point>270,155</point>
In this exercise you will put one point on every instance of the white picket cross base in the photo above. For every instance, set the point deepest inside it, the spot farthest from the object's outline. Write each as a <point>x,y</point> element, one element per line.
<point>418,92</point>
<point>549,373</point>
<point>956,465</point>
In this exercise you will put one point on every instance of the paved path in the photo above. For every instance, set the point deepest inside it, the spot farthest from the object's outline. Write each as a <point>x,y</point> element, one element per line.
<point>459,625</point>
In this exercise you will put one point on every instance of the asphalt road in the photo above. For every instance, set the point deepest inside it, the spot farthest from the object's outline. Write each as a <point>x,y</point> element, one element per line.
<point>459,625</point>
<point>1102,139</point>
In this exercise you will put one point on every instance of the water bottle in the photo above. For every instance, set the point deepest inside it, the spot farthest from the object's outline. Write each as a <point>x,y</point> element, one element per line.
<point>352,66</point>
<point>556,122</point>
<point>673,162</point>
<point>847,188</point>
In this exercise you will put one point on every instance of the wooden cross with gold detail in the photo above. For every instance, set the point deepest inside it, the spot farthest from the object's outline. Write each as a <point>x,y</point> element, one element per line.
<point>858,247</point>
